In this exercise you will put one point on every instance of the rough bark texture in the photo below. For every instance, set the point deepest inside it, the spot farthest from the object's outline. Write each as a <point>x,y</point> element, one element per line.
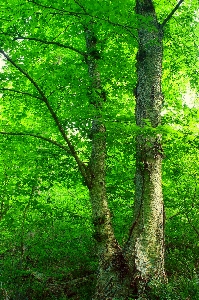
<point>146,243</point>
<point>113,277</point>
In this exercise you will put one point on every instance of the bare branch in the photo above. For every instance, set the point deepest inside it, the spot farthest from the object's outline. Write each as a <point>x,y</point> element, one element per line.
<point>38,137</point>
<point>171,13</point>
<point>51,43</point>
<point>19,92</point>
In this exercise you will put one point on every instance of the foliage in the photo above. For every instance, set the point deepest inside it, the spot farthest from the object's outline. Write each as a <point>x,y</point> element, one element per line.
<point>47,248</point>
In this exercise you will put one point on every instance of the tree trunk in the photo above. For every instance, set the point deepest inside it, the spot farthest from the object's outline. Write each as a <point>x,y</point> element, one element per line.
<point>113,274</point>
<point>146,244</point>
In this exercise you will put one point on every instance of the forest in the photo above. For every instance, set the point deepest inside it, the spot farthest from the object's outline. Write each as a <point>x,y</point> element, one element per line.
<point>99,143</point>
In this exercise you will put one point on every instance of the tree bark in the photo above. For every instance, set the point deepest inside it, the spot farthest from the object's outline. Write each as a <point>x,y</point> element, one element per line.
<point>146,243</point>
<point>113,275</point>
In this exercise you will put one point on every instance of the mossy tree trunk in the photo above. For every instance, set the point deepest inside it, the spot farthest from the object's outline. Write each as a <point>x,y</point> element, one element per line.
<point>113,274</point>
<point>146,243</point>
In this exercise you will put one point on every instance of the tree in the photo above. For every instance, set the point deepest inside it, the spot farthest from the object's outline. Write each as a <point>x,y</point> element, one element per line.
<point>69,89</point>
<point>146,245</point>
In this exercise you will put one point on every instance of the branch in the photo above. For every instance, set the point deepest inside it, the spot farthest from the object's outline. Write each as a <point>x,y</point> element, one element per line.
<point>84,13</point>
<point>183,212</point>
<point>25,74</point>
<point>194,228</point>
<point>82,167</point>
<point>125,27</point>
<point>51,43</point>
<point>57,9</point>
<point>23,93</point>
<point>38,137</point>
<point>81,6</point>
<point>171,14</point>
